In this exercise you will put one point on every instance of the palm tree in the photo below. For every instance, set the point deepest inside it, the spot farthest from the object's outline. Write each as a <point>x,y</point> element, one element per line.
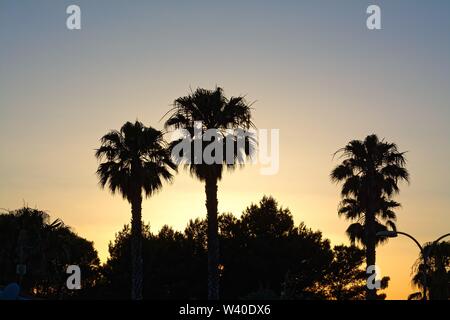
<point>369,173</point>
<point>215,111</point>
<point>437,272</point>
<point>136,162</point>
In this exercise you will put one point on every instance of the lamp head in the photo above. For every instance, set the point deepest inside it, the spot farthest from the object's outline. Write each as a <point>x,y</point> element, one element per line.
<point>387,234</point>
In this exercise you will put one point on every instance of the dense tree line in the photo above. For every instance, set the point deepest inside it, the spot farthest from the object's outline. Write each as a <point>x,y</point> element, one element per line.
<point>263,256</point>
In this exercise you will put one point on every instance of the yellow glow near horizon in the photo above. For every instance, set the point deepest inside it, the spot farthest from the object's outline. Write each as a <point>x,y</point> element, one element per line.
<point>99,216</point>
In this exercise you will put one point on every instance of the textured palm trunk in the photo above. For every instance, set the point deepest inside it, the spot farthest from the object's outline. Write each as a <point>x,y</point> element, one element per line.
<point>213,238</point>
<point>371,256</point>
<point>371,294</point>
<point>136,248</point>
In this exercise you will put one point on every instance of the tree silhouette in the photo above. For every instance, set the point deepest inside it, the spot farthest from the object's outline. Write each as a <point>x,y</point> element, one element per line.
<point>345,279</point>
<point>176,269</point>
<point>267,256</point>
<point>437,272</point>
<point>215,111</point>
<point>136,161</point>
<point>28,237</point>
<point>369,172</point>
<point>264,256</point>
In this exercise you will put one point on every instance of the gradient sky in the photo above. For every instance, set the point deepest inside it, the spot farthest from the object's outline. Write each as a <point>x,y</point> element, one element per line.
<point>314,70</point>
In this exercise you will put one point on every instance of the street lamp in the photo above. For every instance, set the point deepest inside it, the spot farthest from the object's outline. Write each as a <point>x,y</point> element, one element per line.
<point>425,254</point>
<point>387,234</point>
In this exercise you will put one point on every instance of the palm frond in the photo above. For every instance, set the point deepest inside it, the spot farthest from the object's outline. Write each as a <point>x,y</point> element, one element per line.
<point>137,158</point>
<point>215,111</point>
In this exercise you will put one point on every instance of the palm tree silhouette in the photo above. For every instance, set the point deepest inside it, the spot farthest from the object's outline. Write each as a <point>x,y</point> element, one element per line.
<point>136,161</point>
<point>437,272</point>
<point>369,172</point>
<point>215,111</point>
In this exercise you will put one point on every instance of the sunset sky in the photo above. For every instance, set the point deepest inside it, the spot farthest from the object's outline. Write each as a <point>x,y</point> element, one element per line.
<point>314,70</point>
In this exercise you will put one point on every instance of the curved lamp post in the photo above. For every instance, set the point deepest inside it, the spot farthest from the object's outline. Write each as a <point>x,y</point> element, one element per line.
<point>425,254</point>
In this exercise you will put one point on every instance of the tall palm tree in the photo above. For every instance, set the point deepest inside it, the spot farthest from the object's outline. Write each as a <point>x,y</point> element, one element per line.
<point>135,162</point>
<point>215,111</point>
<point>369,173</point>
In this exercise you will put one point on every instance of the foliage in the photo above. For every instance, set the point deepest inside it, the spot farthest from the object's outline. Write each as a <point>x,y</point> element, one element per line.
<point>135,160</point>
<point>263,256</point>
<point>370,173</point>
<point>437,271</point>
<point>28,237</point>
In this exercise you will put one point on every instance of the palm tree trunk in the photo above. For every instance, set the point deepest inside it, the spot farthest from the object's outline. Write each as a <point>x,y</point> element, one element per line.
<point>136,248</point>
<point>371,294</point>
<point>213,238</point>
